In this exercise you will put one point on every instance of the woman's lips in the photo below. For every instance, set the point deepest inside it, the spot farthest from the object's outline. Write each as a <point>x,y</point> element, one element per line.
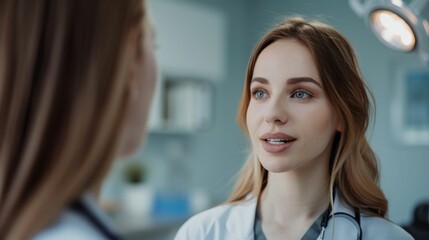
<point>276,142</point>
<point>276,148</point>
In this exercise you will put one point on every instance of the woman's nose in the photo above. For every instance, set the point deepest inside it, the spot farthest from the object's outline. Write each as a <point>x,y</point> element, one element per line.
<point>276,111</point>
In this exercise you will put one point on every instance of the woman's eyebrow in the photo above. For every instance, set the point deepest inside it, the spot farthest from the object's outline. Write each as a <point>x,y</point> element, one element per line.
<point>291,81</point>
<point>297,80</point>
<point>260,80</point>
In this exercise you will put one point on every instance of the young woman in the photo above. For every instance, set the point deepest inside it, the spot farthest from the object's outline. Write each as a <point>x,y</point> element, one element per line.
<point>311,173</point>
<point>76,82</point>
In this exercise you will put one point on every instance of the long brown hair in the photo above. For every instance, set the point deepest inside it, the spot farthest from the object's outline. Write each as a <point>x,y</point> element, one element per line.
<point>63,98</point>
<point>354,169</point>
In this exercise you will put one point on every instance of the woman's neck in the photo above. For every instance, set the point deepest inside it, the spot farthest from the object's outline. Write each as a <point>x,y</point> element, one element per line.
<point>295,198</point>
<point>291,193</point>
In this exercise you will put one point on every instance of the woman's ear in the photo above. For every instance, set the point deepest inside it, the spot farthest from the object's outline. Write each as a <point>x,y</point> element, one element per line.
<point>340,126</point>
<point>138,43</point>
<point>135,59</point>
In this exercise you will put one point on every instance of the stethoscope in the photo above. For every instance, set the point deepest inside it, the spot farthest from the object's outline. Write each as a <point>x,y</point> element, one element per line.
<point>355,220</point>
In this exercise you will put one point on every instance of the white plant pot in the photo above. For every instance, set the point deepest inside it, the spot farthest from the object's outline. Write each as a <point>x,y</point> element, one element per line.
<point>137,200</point>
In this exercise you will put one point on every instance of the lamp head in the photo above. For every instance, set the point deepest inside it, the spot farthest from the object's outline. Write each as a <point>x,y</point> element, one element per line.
<point>402,27</point>
<point>393,30</point>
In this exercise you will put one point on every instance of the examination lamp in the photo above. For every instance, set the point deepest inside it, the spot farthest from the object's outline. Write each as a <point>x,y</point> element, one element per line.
<point>401,25</point>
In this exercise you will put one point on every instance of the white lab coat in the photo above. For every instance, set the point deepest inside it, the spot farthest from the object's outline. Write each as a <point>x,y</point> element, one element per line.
<point>235,222</point>
<point>73,225</point>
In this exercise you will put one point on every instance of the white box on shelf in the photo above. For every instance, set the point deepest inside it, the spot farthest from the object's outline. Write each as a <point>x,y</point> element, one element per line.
<point>188,105</point>
<point>182,105</point>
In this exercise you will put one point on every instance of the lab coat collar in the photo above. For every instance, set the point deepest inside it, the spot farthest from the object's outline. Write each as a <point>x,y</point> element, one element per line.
<point>241,221</point>
<point>340,205</point>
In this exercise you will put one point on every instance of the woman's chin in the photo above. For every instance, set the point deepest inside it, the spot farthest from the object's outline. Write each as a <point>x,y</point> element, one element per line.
<point>276,167</point>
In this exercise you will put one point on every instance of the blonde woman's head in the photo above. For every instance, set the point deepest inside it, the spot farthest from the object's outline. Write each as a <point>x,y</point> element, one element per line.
<point>353,166</point>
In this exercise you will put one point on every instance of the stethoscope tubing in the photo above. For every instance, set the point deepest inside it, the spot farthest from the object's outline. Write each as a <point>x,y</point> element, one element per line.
<point>353,219</point>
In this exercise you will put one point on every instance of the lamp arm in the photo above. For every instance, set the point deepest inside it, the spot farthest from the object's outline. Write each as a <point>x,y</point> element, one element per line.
<point>419,6</point>
<point>358,6</point>
<point>421,9</point>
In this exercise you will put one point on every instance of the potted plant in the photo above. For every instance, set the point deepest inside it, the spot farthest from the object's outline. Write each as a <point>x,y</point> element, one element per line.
<point>137,194</point>
<point>134,173</point>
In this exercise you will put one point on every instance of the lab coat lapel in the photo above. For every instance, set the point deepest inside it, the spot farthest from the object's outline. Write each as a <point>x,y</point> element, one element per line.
<point>240,223</point>
<point>340,229</point>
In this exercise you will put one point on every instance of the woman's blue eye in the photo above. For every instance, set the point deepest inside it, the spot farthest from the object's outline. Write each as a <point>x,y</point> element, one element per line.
<point>301,94</point>
<point>259,94</point>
